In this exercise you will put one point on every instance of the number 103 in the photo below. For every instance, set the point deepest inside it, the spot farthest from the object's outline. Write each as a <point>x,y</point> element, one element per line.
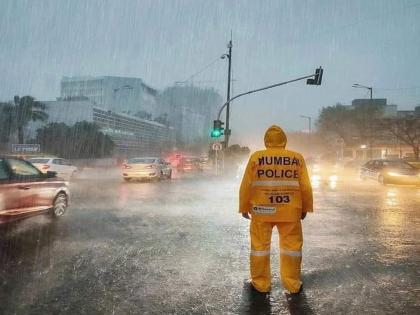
<point>279,199</point>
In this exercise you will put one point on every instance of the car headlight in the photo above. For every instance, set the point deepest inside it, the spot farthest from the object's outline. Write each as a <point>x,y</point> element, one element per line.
<point>393,174</point>
<point>316,177</point>
<point>333,178</point>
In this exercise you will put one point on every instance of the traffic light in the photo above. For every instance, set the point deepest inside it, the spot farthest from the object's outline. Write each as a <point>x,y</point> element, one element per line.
<point>217,131</point>
<point>317,78</point>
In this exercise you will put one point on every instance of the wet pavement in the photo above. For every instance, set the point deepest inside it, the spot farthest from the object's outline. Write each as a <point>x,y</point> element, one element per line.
<point>179,247</point>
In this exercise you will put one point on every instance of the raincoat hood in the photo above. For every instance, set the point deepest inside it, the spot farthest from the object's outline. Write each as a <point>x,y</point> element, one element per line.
<point>275,137</point>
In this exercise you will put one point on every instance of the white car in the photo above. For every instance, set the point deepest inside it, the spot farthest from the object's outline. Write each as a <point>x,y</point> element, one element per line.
<point>62,167</point>
<point>146,168</point>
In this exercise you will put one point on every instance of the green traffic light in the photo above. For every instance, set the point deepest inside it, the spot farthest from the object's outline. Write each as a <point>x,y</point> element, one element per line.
<point>215,133</point>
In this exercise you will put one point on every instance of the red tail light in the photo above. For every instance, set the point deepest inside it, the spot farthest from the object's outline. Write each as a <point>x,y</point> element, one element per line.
<point>45,167</point>
<point>126,166</point>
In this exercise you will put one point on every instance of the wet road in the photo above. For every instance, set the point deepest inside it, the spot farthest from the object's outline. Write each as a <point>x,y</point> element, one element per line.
<point>179,247</point>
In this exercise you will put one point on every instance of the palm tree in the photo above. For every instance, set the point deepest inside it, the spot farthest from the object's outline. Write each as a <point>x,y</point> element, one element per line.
<point>7,120</point>
<point>27,109</point>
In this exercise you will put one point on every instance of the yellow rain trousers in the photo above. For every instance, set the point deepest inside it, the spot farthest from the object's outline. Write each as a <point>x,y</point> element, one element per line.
<point>290,254</point>
<point>275,191</point>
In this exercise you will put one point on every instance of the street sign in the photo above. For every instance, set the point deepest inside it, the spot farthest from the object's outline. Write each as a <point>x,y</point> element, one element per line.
<point>216,146</point>
<point>26,148</point>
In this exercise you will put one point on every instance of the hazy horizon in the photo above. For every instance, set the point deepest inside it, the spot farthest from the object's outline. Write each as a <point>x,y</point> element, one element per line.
<point>373,43</point>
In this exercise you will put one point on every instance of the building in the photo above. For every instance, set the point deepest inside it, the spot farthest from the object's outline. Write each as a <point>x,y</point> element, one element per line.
<point>118,94</point>
<point>191,110</point>
<point>131,135</point>
<point>385,144</point>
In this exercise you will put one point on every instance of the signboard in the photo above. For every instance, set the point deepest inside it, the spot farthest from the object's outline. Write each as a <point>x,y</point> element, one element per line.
<point>216,146</point>
<point>26,148</point>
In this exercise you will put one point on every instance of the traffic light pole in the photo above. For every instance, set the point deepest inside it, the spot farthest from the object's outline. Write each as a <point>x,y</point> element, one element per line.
<point>258,90</point>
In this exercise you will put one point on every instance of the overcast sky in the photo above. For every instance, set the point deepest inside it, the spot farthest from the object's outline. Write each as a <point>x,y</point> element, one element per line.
<point>369,42</point>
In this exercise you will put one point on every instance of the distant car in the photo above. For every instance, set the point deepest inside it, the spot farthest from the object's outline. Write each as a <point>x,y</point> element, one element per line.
<point>189,164</point>
<point>204,163</point>
<point>412,161</point>
<point>146,168</point>
<point>62,167</point>
<point>324,172</point>
<point>25,191</point>
<point>390,172</point>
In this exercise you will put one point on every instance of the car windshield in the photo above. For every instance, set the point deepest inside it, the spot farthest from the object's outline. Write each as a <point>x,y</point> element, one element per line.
<point>397,164</point>
<point>39,161</point>
<point>141,161</point>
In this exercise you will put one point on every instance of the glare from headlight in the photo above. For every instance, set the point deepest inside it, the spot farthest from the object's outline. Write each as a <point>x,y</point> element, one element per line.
<point>315,178</point>
<point>393,174</point>
<point>333,178</point>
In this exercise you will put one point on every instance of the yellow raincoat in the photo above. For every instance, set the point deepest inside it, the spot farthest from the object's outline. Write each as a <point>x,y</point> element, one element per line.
<point>276,190</point>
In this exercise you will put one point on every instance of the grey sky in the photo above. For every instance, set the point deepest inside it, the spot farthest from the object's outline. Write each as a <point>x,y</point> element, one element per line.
<point>369,42</point>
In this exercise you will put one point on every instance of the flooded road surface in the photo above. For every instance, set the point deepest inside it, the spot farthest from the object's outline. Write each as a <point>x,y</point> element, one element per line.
<point>180,247</point>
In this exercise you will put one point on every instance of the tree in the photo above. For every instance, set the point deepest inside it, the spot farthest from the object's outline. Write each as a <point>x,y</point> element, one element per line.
<point>336,120</point>
<point>406,130</point>
<point>7,122</point>
<point>26,109</point>
<point>349,123</point>
<point>82,140</point>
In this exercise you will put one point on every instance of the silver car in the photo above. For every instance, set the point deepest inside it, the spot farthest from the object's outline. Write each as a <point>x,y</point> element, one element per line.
<point>151,168</point>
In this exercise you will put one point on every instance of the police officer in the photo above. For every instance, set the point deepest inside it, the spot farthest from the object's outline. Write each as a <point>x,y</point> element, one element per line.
<point>276,191</point>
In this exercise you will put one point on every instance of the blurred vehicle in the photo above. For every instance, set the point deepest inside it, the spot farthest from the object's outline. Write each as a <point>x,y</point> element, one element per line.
<point>390,172</point>
<point>146,168</point>
<point>412,161</point>
<point>25,191</point>
<point>189,164</point>
<point>174,159</point>
<point>324,172</point>
<point>62,167</point>
<point>204,163</point>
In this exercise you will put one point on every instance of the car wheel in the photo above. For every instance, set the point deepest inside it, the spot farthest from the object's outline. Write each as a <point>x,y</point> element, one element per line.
<point>382,180</point>
<point>60,205</point>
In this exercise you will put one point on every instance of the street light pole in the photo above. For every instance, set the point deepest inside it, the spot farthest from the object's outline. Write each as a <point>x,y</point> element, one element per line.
<point>360,86</point>
<point>229,57</point>
<point>369,127</point>
<point>309,122</point>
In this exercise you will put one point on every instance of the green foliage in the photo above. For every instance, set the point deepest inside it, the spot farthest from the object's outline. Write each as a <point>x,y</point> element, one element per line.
<point>7,122</point>
<point>406,130</point>
<point>15,117</point>
<point>82,140</point>
<point>27,109</point>
<point>350,123</point>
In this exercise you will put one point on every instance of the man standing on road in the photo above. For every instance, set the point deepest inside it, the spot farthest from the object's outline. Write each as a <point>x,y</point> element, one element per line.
<point>276,191</point>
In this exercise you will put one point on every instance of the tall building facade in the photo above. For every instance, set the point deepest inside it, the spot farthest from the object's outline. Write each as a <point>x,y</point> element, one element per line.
<point>132,136</point>
<point>118,94</point>
<point>191,110</point>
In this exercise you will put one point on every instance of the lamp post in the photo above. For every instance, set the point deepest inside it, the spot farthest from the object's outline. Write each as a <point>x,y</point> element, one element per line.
<point>229,57</point>
<point>370,89</point>
<point>360,86</point>
<point>309,122</point>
